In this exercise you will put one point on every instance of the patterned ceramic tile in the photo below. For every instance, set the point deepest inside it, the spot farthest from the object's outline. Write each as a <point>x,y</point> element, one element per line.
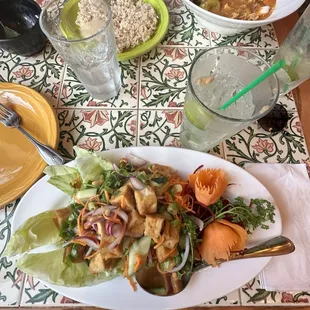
<point>256,145</point>
<point>43,72</point>
<point>232,298</point>
<point>164,77</point>
<point>183,27</point>
<point>37,294</point>
<point>288,102</point>
<point>11,279</point>
<point>251,293</point>
<point>74,95</point>
<point>163,128</point>
<point>261,37</point>
<point>95,129</point>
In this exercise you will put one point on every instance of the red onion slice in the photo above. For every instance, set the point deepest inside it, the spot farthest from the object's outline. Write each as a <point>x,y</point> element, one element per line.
<point>116,230</point>
<point>135,160</point>
<point>123,215</point>
<point>88,214</point>
<point>115,243</point>
<point>185,257</point>
<point>88,252</point>
<point>137,184</point>
<point>198,222</point>
<point>88,242</point>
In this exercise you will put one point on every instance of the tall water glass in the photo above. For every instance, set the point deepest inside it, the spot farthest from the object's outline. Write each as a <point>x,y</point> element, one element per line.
<point>215,76</point>
<point>93,59</point>
<point>295,50</point>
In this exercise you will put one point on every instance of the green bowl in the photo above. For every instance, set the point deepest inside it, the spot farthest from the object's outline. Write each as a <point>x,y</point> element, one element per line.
<point>162,27</point>
<point>70,30</point>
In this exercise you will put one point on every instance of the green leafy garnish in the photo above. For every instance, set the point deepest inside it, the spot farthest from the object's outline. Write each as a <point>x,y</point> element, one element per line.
<point>251,217</point>
<point>141,175</point>
<point>160,180</point>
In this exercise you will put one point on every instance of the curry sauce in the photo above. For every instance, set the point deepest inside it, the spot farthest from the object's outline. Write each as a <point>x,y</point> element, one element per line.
<point>240,9</point>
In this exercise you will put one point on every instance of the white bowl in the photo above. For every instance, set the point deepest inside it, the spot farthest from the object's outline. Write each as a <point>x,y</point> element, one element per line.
<point>226,25</point>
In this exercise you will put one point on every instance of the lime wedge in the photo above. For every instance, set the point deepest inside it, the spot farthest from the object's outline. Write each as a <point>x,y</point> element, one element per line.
<point>197,114</point>
<point>68,16</point>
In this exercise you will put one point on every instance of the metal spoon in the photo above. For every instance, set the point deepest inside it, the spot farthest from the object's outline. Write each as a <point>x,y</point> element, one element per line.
<point>156,283</point>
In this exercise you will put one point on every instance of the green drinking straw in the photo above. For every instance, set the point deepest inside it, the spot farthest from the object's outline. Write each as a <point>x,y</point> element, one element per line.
<point>273,69</point>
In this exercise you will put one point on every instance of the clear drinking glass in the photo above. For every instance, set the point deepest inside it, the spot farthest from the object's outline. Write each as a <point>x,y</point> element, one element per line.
<point>215,76</point>
<point>93,59</point>
<point>295,50</point>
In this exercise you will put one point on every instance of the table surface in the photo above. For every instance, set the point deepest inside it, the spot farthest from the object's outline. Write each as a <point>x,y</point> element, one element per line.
<point>148,111</point>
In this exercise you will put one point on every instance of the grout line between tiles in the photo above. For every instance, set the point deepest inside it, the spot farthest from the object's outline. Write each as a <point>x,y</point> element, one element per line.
<point>239,294</point>
<point>21,290</point>
<point>138,100</point>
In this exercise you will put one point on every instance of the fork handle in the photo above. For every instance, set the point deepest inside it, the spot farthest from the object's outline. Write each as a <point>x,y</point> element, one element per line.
<point>48,154</point>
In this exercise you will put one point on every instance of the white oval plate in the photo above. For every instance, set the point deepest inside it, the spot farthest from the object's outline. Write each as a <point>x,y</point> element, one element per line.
<point>209,284</point>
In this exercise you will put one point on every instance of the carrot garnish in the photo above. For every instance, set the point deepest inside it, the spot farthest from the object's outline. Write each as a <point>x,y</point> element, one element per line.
<point>139,262</point>
<point>170,252</point>
<point>116,221</point>
<point>160,242</point>
<point>91,255</point>
<point>123,203</point>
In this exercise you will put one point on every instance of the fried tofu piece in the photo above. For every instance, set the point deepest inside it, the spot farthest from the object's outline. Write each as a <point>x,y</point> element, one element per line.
<point>61,216</point>
<point>163,253</point>
<point>171,235</point>
<point>125,193</point>
<point>146,201</point>
<point>153,226</point>
<point>136,223</point>
<point>98,264</point>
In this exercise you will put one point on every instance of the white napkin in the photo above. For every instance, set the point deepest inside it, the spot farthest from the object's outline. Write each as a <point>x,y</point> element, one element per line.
<point>290,187</point>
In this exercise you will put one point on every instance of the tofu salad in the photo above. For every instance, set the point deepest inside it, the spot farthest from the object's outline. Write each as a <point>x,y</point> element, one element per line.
<point>132,214</point>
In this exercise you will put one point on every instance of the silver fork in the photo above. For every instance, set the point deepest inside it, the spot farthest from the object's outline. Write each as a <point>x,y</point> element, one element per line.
<point>11,119</point>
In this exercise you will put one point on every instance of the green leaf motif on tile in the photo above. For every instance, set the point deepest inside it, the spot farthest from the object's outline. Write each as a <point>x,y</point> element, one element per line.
<point>2,297</point>
<point>273,296</point>
<point>42,297</point>
<point>218,301</point>
<point>261,295</point>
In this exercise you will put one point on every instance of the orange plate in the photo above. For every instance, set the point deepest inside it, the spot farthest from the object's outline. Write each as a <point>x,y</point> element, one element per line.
<point>20,162</point>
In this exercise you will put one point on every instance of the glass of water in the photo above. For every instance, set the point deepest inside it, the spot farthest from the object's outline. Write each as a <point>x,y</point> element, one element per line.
<point>94,58</point>
<point>215,76</point>
<point>295,50</point>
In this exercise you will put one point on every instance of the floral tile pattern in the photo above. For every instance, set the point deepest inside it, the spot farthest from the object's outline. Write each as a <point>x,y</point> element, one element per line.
<point>74,95</point>
<point>261,37</point>
<point>147,111</point>
<point>251,293</point>
<point>164,76</point>
<point>254,144</point>
<point>230,299</point>
<point>162,128</point>
<point>11,279</point>
<point>42,72</point>
<point>95,129</point>
<point>37,294</point>
<point>184,28</point>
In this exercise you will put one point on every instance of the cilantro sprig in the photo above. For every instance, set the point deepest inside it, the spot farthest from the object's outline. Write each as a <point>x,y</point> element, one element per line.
<point>251,217</point>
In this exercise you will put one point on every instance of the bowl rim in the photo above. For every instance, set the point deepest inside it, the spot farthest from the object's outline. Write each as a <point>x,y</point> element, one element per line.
<point>260,22</point>
<point>30,29</point>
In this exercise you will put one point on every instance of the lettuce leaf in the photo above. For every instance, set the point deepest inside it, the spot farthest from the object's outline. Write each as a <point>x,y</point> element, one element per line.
<point>58,170</point>
<point>62,177</point>
<point>37,231</point>
<point>91,165</point>
<point>50,267</point>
